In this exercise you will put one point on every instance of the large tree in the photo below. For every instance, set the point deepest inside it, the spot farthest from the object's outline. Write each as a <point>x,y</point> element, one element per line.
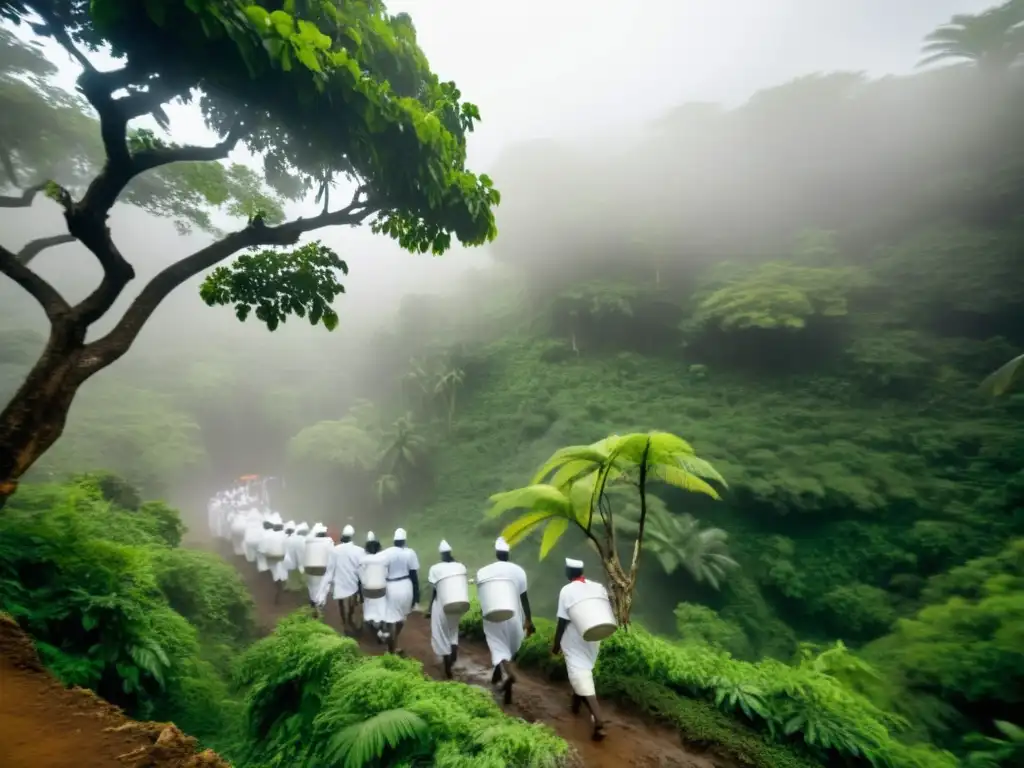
<point>321,90</point>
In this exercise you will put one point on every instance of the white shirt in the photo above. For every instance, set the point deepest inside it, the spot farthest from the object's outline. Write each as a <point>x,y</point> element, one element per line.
<point>400,561</point>
<point>343,570</point>
<point>579,653</point>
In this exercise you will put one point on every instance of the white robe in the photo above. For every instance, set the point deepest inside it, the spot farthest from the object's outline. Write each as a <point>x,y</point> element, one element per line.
<point>580,655</point>
<point>374,609</point>
<point>343,571</point>
<point>313,587</point>
<point>295,552</point>
<point>401,560</point>
<point>444,629</point>
<point>504,638</point>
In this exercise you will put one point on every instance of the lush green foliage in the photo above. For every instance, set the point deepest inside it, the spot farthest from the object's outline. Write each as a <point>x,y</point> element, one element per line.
<point>116,606</point>
<point>313,699</point>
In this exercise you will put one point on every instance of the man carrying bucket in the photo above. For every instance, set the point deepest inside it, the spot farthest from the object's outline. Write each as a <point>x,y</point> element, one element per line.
<point>505,637</point>
<point>343,573</point>
<point>580,655</point>
<point>403,593</point>
<point>444,628</point>
<point>374,608</point>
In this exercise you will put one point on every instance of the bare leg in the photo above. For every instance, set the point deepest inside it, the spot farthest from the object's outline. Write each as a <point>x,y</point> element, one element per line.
<point>577,702</point>
<point>496,677</point>
<point>341,614</point>
<point>595,711</point>
<point>392,638</point>
<point>510,679</point>
<point>316,613</point>
<point>448,661</point>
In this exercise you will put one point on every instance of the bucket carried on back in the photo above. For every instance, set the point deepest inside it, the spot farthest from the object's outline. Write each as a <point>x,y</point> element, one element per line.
<point>453,592</point>
<point>373,577</point>
<point>499,599</point>
<point>272,545</point>
<point>593,618</point>
<point>317,555</point>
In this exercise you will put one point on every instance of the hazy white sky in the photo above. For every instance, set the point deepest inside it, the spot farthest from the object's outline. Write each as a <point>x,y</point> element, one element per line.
<point>542,68</point>
<point>568,68</point>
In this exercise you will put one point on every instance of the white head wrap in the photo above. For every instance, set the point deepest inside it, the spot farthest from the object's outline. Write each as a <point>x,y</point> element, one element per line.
<point>348,530</point>
<point>370,537</point>
<point>302,528</point>
<point>576,564</point>
<point>290,525</point>
<point>400,534</point>
<point>501,545</point>
<point>444,546</point>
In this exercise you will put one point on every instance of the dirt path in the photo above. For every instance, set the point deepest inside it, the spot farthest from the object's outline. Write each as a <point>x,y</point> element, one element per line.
<point>44,725</point>
<point>632,742</point>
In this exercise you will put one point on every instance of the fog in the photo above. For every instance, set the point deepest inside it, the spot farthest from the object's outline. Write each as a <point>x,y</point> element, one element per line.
<point>590,121</point>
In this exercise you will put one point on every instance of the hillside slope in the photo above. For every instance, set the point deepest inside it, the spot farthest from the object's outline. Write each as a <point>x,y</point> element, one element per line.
<point>42,723</point>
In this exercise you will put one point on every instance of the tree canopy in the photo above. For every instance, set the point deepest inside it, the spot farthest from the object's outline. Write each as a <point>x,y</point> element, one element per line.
<point>323,92</point>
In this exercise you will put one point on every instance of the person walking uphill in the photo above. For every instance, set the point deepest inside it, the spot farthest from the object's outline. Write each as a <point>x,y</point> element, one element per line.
<point>504,638</point>
<point>444,629</point>
<point>580,655</point>
<point>313,582</point>
<point>374,608</point>
<point>403,587</point>
<point>343,574</point>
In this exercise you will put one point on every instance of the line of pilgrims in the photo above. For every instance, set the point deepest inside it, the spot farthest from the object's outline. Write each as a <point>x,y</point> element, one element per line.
<point>385,583</point>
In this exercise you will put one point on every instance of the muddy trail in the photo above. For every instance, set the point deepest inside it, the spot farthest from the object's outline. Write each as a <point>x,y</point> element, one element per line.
<point>45,725</point>
<point>632,741</point>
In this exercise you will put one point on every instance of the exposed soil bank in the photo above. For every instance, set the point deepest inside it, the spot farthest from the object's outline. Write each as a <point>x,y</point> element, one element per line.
<point>45,725</point>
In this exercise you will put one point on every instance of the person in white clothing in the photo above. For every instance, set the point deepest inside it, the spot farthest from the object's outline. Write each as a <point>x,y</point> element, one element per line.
<point>295,549</point>
<point>253,532</point>
<point>313,582</point>
<point>580,655</point>
<point>261,559</point>
<point>374,608</point>
<point>403,587</point>
<point>444,629</point>
<point>278,568</point>
<point>504,638</point>
<point>343,574</point>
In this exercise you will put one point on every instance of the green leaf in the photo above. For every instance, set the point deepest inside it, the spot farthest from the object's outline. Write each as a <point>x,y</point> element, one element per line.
<point>552,533</point>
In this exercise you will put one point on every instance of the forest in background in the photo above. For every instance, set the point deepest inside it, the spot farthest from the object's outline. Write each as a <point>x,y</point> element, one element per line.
<point>808,287</point>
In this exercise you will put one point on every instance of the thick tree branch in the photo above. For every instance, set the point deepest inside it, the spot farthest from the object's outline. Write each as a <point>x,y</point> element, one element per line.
<point>24,200</point>
<point>48,297</point>
<point>109,348</point>
<point>33,248</point>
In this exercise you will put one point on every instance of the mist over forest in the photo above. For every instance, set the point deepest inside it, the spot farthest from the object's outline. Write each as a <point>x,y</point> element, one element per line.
<point>806,265</point>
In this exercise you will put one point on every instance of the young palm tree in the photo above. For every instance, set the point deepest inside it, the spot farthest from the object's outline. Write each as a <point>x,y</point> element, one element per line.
<point>993,40</point>
<point>447,385</point>
<point>572,488</point>
<point>404,449</point>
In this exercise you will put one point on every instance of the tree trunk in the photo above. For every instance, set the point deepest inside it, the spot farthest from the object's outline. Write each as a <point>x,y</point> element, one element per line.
<point>620,590</point>
<point>35,417</point>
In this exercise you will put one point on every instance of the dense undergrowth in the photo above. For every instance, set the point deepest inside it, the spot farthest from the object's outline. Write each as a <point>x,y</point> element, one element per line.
<point>766,714</point>
<point>314,699</point>
<point>98,579</point>
<point>114,604</point>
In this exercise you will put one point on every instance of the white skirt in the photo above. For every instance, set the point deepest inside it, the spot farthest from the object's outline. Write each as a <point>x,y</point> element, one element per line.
<point>444,631</point>
<point>581,680</point>
<point>313,585</point>
<point>504,638</point>
<point>374,609</point>
<point>261,563</point>
<point>398,601</point>
<point>280,570</point>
